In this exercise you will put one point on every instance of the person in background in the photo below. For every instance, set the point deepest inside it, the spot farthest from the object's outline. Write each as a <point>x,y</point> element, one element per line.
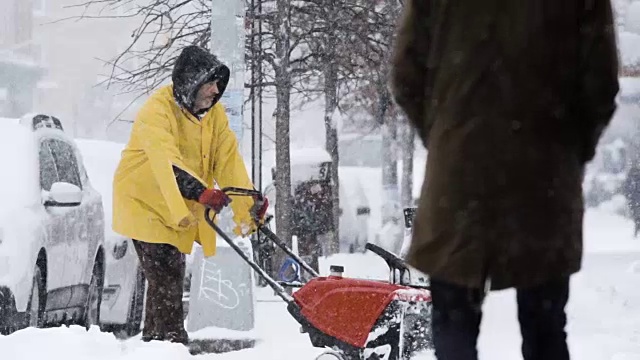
<point>631,190</point>
<point>180,147</point>
<point>510,99</point>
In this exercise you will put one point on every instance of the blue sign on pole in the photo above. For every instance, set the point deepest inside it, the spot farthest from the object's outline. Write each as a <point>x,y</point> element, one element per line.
<point>232,101</point>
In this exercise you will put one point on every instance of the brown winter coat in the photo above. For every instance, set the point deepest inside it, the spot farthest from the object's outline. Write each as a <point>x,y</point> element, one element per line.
<point>510,98</point>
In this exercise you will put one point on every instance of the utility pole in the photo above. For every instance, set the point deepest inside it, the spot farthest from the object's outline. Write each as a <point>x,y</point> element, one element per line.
<point>227,43</point>
<point>256,98</point>
<point>228,28</point>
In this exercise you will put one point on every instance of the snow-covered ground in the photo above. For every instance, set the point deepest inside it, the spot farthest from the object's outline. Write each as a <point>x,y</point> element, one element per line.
<point>604,313</point>
<point>604,308</point>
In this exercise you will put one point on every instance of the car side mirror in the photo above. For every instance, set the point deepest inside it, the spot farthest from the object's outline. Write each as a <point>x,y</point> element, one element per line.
<point>63,194</point>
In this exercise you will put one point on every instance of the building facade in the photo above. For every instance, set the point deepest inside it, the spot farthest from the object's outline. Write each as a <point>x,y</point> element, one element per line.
<point>20,69</point>
<point>76,53</point>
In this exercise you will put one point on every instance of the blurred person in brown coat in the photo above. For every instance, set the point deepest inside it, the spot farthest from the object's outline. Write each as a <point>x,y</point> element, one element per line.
<point>510,98</point>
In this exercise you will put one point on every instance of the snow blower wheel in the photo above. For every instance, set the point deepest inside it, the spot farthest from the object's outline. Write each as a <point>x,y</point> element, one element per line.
<point>354,319</point>
<point>331,355</point>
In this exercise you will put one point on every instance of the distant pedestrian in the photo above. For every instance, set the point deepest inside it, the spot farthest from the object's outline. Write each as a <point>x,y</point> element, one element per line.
<point>631,190</point>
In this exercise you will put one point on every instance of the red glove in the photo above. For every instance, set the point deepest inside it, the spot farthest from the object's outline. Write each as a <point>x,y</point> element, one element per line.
<point>259,208</point>
<point>214,198</point>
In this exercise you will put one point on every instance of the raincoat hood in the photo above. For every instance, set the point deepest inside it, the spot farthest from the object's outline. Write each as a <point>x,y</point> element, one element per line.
<point>195,67</point>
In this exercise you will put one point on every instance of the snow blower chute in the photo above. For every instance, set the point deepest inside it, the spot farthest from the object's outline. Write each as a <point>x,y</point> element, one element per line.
<point>354,319</point>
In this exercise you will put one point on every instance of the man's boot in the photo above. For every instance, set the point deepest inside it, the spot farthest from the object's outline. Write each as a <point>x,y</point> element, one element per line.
<point>180,337</point>
<point>151,336</point>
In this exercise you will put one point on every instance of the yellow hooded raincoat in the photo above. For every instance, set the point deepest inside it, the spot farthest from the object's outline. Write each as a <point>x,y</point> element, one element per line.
<point>147,203</point>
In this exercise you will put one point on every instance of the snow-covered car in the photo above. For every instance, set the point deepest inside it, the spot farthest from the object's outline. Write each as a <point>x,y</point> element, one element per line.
<point>124,288</point>
<point>51,228</point>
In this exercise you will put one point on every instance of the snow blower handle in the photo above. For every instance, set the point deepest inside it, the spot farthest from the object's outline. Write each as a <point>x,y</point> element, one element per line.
<point>261,228</point>
<point>231,191</point>
<point>236,191</point>
<point>210,219</point>
<point>258,198</point>
<point>394,262</point>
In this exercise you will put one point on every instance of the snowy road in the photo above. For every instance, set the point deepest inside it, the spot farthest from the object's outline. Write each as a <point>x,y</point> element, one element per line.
<point>604,315</point>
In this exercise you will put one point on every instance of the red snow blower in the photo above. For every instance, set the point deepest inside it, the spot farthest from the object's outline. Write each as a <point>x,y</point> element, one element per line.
<point>354,319</point>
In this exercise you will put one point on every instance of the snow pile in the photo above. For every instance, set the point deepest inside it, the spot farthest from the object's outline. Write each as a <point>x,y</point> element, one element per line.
<point>220,333</point>
<point>605,232</point>
<point>75,343</point>
<point>277,331</point>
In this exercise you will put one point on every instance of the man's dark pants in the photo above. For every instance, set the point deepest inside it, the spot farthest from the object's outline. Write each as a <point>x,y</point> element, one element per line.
<point>457,312</point>
<point>163,266</point>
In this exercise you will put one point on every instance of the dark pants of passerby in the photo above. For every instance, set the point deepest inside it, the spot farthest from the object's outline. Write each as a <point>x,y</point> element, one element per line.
<point>164,267</point>
<point>635,215</point>
<point>457,312</point>
<point>308,248</point>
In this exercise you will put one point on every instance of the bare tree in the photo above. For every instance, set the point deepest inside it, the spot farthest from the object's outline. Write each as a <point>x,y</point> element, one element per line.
<point>349,45</point>
<point>341,44</point>
<point>280,64</point>
<point>370,91</point>
<point>166,26</point>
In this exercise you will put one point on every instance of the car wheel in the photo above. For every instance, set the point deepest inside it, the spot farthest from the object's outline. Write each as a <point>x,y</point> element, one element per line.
<point>136,308</point>
<point>94,298</point>
<point>37,300</point>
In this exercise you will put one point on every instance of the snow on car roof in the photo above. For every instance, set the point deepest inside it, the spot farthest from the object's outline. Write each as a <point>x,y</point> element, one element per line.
<point>10,129</point>
<point>18,156</point>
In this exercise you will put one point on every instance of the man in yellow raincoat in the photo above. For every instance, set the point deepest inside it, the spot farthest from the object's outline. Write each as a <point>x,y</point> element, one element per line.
<point>180,147</point>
